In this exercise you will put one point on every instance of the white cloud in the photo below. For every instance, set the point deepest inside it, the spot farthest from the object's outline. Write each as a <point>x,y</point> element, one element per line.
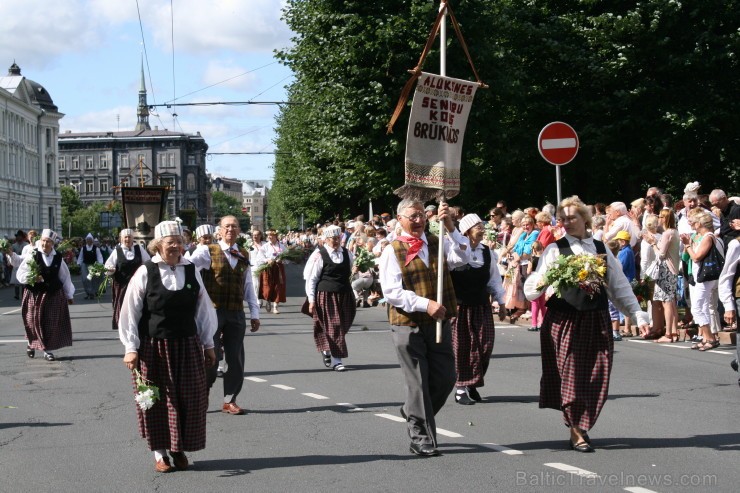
<point>121,118</point>
<point>226,73</point>
<point>208,26</point>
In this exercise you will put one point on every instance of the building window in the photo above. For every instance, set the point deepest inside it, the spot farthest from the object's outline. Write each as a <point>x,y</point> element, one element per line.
<point>140,159</point>
<point>62,164</point>
<point>103,161</point>
<point>89,186</point>
<point>51,218</point>
<point>48,174</point>
<point>48,137</point>
<point>75,163</point>
<point>103,185</point>
<point>75,184</point>
<point>123,182</point>
<point>191,160</point>
<point>124,161</point>
<point>191,182</point>
<point>89,164</point>
<point>168,182</point>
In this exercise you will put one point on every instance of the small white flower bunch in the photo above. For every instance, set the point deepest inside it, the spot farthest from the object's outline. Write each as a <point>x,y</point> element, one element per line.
<point>147,394</point>
<point>95,270</point>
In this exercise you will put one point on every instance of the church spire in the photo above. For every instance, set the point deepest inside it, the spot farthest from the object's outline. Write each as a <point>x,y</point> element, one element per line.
<point>142,112</point>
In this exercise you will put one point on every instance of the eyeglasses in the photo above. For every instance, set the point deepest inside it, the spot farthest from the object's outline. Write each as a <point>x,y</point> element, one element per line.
<point>415,217</point>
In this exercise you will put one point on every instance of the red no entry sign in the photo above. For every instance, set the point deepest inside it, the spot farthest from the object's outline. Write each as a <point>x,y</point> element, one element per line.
<point>558,143</point>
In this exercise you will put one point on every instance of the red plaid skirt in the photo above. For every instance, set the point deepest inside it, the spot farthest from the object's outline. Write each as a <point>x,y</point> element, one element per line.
<point>46,320</point>
<point>272,283</point>
<point>118,292</point>
<point>473,335</point>
<point>577,355</point>
<point>333,314</point>
<point>177,421</point>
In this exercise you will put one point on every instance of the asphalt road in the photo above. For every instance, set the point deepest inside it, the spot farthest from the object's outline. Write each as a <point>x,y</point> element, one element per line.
<point>670,423</point>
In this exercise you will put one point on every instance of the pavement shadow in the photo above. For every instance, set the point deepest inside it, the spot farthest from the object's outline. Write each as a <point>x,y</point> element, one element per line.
<point>350,368</point>
<point>240,467</point>
<point>375,407</point>
<point>515,355</point>
<point>31,425</point>
<point>527,399</point>
<point>720,441</point>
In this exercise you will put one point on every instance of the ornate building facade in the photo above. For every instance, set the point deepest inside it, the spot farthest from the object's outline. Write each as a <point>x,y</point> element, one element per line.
<point>29,127</point>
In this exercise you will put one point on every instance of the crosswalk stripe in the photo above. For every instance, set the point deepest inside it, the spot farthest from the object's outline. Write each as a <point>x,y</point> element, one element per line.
<point>572,470</point>
<point>283,387</point>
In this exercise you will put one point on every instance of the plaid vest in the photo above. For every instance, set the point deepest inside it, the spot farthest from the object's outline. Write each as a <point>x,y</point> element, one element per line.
<point>225,285</point>
<point>422,280</point>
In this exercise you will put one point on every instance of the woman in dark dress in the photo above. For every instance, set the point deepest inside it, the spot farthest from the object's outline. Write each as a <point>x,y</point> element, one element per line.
<point>167,324</point>
<point>576,337</point>
<point>121,265</point>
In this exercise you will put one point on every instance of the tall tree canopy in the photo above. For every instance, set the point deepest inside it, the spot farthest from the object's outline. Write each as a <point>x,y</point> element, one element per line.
<point>650,86</point>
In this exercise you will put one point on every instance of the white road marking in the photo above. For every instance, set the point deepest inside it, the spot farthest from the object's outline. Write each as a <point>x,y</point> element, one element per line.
<point>638,489</point>
<point>447,433</point>
<point>283,387</point>
<point>715,351</point>
<point>255,379</point>
<point>558,143</point>
<point>502,449</point>
<point>11,312</point>
<point>676,346</point>
<point>391,417</point>
<point>572,470</point>
<point>314,396</point>
<point>5,341</point>
<point>640,342</point>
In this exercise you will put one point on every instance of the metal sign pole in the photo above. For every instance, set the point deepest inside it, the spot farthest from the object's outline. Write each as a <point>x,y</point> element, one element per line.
<point>557,179</point>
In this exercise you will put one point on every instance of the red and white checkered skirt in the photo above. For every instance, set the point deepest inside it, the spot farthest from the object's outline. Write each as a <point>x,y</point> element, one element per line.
<point>177,421</point>
<point>577,355</point>
<point>46,320</point>
<point>473,335</point>
<point>333,314</point>
<point>118,292</point>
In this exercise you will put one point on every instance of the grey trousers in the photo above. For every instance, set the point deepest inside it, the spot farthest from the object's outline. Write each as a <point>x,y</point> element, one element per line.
<point>229,342</point>
<point>429,371</point>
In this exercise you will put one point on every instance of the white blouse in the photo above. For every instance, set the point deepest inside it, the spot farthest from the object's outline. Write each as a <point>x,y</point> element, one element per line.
<point>133,304</point>
<point>618,288</point>
<point>64,277</point>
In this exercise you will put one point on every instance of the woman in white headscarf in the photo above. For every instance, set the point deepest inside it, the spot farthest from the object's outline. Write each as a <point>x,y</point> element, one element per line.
<point>121,265</point>
<point>48,291</point>
<point>167,325</point>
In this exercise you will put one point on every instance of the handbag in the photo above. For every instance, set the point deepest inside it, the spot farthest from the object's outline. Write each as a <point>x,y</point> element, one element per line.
<point>653,269</point>
<point>711,264</point>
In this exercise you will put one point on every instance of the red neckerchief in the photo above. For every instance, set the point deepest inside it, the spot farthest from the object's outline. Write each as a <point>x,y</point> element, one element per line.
<point>415,244</point>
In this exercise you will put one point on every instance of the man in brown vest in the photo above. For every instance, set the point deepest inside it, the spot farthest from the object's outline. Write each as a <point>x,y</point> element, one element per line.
<point>408,275</point>
<point>227,276</point>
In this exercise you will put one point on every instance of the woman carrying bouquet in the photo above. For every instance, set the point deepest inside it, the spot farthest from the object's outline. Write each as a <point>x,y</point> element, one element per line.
<point>167,325</point>
<point>121,265</point>
<point>89,255</point>
<point>272,279</point>
<point>331,301</point>
<point>576,337</point>
<point>48,291</point>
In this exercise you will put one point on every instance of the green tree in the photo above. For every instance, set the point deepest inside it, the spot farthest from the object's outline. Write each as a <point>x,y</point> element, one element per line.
<point>226,205</point>
<point>650,87</point>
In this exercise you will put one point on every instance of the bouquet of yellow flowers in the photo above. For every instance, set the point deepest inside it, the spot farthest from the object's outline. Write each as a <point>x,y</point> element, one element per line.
<point>585,271</point>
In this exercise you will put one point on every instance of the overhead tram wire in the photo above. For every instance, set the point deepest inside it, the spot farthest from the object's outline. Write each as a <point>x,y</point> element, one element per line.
<point>146,57</point>
<point>172,42</point>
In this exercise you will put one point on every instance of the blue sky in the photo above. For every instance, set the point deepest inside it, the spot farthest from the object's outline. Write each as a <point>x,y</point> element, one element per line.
<point>87,53</point>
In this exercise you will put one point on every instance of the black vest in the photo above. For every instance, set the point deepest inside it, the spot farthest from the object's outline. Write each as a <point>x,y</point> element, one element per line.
<point>89,258</point>
<point>471,282</point>
<point>334,277</point>
<point>125,268</point>
<point>51,282</point>
<point>168,314</point>
<point>575,298</point>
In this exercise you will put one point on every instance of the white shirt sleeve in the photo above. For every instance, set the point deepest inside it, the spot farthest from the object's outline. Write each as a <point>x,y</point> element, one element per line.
<point>201,257</point>
<point>495,287</point>
<point>726,284</point>
<point>110,264</point>
<point>250,296</point>
<point>317,265</point>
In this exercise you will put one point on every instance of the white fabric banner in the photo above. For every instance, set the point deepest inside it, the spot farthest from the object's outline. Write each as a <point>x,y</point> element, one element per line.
<point>439,115</point>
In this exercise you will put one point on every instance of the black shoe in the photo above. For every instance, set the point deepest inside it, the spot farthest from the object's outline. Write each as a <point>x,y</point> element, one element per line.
<point>583,447</point>
<point>464,399</point>
<point>423,449</point>
<point>49,357</point>
<point>733,364</point>
<point>219,372</point>
<point>534,329</point>
<point>327,359</point>
<point>32,353</point>
<point>473,393</point>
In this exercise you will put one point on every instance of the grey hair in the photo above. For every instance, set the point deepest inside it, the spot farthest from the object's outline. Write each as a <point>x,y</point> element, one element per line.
<point>154,244</point>
<point>717,194</point>
<point>550,208</point>
<point>619,207</point>
<point>406,203</point>
<point>690,196</point>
